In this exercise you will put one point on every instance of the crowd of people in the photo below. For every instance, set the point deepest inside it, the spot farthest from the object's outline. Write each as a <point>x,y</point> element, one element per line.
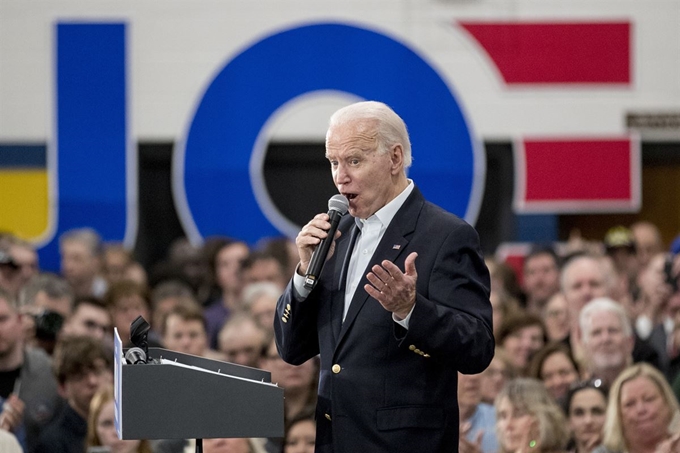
<point>587,343</point>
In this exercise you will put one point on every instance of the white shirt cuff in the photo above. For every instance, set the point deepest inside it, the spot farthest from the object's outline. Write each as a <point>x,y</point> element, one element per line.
<point>404,322</point>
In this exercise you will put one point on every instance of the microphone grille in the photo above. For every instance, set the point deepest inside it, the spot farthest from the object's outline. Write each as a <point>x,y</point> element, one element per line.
<point>338,203</point>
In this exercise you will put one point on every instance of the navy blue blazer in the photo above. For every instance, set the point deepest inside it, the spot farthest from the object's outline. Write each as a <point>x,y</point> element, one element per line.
<point>383,388</point>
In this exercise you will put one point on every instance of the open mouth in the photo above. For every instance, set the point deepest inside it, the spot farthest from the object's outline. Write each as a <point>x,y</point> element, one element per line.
<point>350,196</point>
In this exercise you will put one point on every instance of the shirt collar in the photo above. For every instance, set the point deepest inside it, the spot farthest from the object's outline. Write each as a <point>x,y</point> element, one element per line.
<point>385,214</point>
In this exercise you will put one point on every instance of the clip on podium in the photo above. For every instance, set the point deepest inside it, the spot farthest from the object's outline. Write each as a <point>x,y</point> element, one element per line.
<point>172,395</point>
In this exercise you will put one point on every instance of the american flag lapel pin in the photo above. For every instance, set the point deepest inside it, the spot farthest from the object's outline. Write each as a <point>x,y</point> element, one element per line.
<point>396,247</point>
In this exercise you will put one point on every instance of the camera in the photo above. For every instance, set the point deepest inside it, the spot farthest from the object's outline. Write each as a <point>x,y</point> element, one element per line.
<point>47,325</point>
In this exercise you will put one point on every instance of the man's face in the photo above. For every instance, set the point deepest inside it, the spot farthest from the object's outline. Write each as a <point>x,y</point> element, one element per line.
<point>78,265</point>
<point>10,329</point>
<point>185,335</point>
<point>79,389</point>
<point>268,270</point>
<point>27,260</point>
<point>366,177</point>
<point>541,277</point>
<point>469,390</point>
<point>126,310</point>
<point>242,344</point>
<point>89,320</point>
<point>605,343</point>
<point>584,280</point>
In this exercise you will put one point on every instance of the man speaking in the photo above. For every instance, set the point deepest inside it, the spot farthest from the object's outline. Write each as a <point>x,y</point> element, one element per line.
<point>401,305</point>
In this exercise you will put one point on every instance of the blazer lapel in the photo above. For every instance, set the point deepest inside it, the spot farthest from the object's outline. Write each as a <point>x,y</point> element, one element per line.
<point>343,252</point>
<point>391,246</point>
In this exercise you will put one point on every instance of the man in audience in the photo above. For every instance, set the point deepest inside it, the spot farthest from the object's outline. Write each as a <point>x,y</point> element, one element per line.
<point>241,340</point>
<point>263,267</point>
<point>647,241</point>
<point>127,300</point>
<point>81,263</point>
<point>23,258</point>
<point>259,299</point>
<point>90,317</point>
<point>582,279</point>
<point>607,339</point>
<point>81,365</point>
<point>44,303</point>
<point>477,419</point>
<point>28,390</point>
<point>541,278</point>
<point>184,331</point>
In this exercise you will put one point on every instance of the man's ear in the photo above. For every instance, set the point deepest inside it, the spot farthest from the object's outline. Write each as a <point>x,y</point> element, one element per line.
<point>397,158</point>
<point>62,390</point>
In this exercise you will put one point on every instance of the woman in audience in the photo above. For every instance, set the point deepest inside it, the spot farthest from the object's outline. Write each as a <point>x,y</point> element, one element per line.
<point>300,434</point>
<point>556,367</point>
<point>521,337</point>
<point>585,406</point>
<point>642,414</point>
<point>101,431</point>
<point>528,420</point>
<point>496,375</point>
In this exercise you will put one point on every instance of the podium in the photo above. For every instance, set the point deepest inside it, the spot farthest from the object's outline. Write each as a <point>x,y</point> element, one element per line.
<point>181,396</point>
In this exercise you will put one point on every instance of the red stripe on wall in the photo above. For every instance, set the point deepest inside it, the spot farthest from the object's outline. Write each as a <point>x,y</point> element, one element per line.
<point>530,53</point>
<point>577,170</point>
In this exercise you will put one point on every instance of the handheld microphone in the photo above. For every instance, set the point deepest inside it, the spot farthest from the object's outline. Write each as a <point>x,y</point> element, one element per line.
<point>337,207</point>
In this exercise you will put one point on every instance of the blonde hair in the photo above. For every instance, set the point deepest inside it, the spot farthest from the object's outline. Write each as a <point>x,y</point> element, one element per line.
<point>100,399</point>
<point>614,438</point>
<point>530,395</point>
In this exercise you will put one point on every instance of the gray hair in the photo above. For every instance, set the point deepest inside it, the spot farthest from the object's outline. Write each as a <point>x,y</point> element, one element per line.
<point>86,236</point>
<point>599,305</point>
<point>253,291</point>
<point>52,285</point>
<point>391,128</point>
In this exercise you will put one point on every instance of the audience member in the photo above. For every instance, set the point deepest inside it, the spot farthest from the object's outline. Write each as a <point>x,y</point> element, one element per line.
<point>642,414</point>
<point>477,419</point>
<point>496,375</point>
<point>81,261</point>
<point>116,260</point>
<point>166,295</point>
<point>90,318</point>
<point>28,390</point>
<point>521,336</point>
<point>127,300</point>
<point>556,368</point>
<point>585,406</point>
<point>540,278</point>
<point>227,271</point>
<point>45,302</point>
<point>23,258</point>
<point>284,249</point>
<point>502,308</point>
<point>101,429</point>
<point>10,275</point>
<point>298,381</point>
<point>300,434</point>
<point>184,331</point>
<point>648,241</point>
<point>620,246</point>
<point>607,339</point>
<point>259,299</point>
<point>241,340</point>
<point>528,420</point>
<point>582,279</point>
<point>556,318</point>
<point>82,365</point>
<point>263,267</point>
